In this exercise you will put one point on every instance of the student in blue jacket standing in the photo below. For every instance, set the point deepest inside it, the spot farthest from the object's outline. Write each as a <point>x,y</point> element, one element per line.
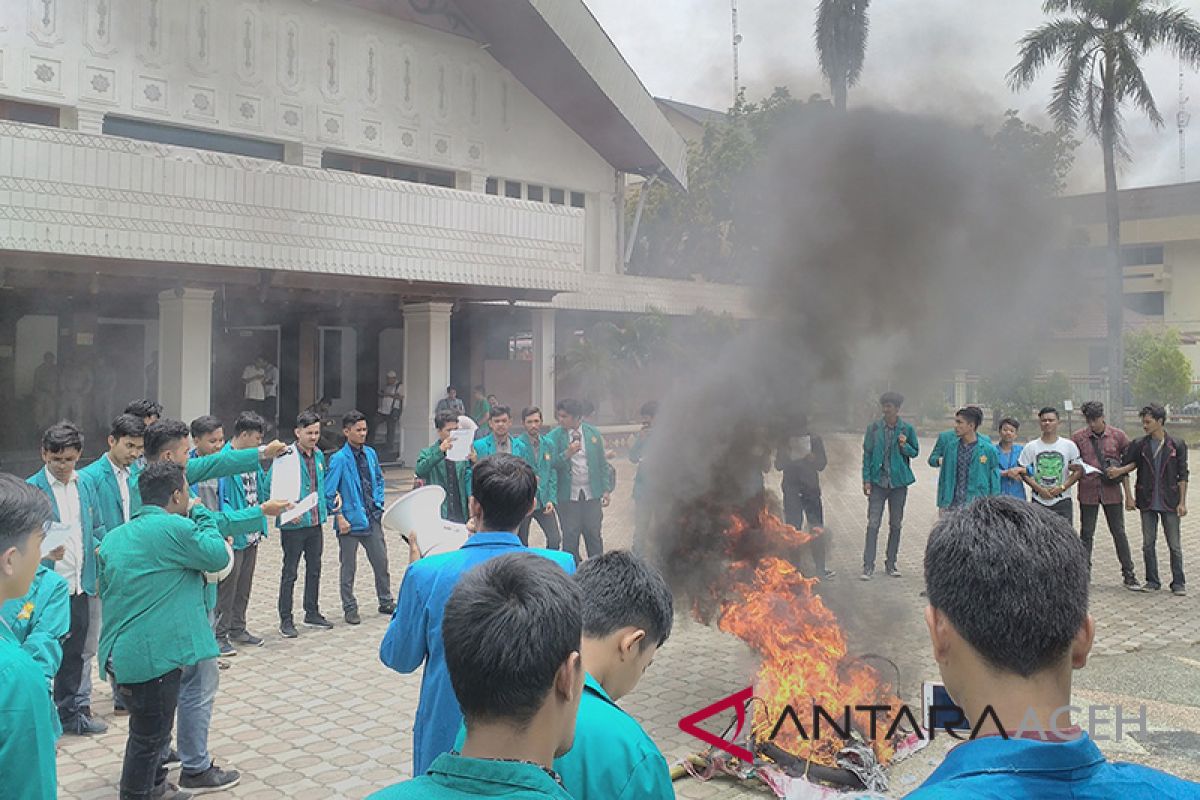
<point>505,488</point>
<point>355,477</point>
<point>1005,644</point>
<point>73,504</point>
<point>1011,482</point>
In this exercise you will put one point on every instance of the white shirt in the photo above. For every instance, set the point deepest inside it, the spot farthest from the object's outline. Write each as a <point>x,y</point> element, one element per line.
<point>390,397</point>
<point>1051,465</point>
<point>580,477</point>
<point>271,380</point>
<point>122,475</point>
<point>255,378</point>
<point>66,497</point>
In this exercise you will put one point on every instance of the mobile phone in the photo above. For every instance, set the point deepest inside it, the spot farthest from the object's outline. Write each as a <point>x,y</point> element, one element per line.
<point>939,711</point>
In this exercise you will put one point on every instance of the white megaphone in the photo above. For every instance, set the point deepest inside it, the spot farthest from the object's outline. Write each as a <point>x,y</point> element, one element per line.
<point>220,575</point>
<point>420,512</point>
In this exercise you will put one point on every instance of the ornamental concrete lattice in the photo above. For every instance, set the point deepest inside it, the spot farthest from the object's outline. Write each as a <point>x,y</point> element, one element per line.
<point>321,717</point>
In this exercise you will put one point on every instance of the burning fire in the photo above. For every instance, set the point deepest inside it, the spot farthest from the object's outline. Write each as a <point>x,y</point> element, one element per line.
<point>773,608</point>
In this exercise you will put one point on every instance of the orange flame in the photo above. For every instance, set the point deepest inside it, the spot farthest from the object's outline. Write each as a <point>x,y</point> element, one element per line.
<point>803,650</point>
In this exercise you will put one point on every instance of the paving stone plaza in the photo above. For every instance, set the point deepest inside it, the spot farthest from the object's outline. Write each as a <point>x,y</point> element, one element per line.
<point>321,717</point>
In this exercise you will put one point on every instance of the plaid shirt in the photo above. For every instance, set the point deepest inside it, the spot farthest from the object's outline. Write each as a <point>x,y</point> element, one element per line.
<point>1113,443</point>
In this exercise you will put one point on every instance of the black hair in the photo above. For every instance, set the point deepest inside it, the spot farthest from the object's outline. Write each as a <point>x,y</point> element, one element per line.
<point>444,418</point>
<point>971,414</point>
<point>23,510</point>
<point>249,422</point>
<point>1048,410</point>
<point>529,411</point>
<point>161,435</point>
<point>507,629</point>
<point>127,426</point>
<point>144,408</point>
<point>352,418</point>
<point>159,480</point>
<point>1012,579</point>
<point>203,426</point>
<point>1154,410</point>
<point>621,590</point>
<point>1092,410</point>
<point>62,436</point>
<point>306,418</point>
<point>451,389</point>
<point>499,410</point>
<point>649,409</point>
<point>504,486</point>
<point>894,398</point>
<point>1009,421</point>
<point>572,408</point>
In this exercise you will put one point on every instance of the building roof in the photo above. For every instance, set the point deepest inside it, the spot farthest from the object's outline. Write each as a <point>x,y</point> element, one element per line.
<point>1146,202</point>
<point>698,114</point>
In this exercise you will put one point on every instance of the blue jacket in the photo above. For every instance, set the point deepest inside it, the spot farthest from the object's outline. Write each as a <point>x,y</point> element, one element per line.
<point>1011,486</point>
<point>92,529</point>
<point>994,768</point>
<point>343,477</point>
<point>414,636</point>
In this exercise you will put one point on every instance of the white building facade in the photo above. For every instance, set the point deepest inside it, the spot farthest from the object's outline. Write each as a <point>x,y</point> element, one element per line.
<point>344,187</point>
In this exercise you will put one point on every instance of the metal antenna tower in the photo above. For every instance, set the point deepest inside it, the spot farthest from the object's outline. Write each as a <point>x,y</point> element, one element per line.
<point>1182,118</point>
<point>737,40</point>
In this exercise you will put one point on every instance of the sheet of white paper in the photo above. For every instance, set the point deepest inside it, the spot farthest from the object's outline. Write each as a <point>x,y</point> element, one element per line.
<point>285,477</point>
<point>56,537</point>
<point>460,447</point>
<point>302,507</point>
<point>1088,469</point>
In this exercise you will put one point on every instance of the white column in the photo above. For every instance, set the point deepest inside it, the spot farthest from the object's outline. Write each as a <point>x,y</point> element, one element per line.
<point>185,338</point>
<point>426,372</point>
<point>960,389</point>
<point>543,361</point>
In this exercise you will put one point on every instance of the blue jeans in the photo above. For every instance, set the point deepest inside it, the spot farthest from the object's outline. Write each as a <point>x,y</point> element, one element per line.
<point>1170,524</point>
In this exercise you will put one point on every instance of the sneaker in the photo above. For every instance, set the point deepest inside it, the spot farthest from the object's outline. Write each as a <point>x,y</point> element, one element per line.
<point>249,639</point>
<point>213,779</point>
<point>86,711</point>
<point>388,608</point>
<point>893,572</point>
<point>352,618</point>
<point>866,576</point>
<point>120,711</point>
<point>827,574</point>
<point>288,629</point>
<point>169,791</point>
<point>226,647</point>
<point>1180,592</point>
<point>317,621</point>
<point>172,757</point>
<point>1150,587</point>
<point>83,726</point>
<point>1134,586</point>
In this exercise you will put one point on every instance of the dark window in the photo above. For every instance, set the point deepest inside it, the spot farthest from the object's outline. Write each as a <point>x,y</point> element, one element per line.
<point>535,192</point>
<point>576,199</point>
<point>492,186</point>
<point>409,173</point>
<point>27,112</point>
<point>1152,304</point>
<point>331,363</point>
<point>558,197</point>
<point>1142,255</point>
<point>190,137</point>
<point>512,189</point>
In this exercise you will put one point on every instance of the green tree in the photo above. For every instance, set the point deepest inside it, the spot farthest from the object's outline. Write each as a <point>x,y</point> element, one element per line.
<point>610,357</point>
<point>1099,45</point>
<point>1045,156</point>
<point>841,37</point>
<point>1156,368</point>
<point>1012,392</point>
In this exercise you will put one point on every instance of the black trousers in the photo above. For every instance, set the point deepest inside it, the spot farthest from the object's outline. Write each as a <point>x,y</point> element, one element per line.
<point>1064,508</point>
<point>1114,514</point>
<point>582,518</point>
<point>310,543</point>
<point>548,522</point>
<point>70,674</point>
<point>151,717</point>
<point>798,503</point>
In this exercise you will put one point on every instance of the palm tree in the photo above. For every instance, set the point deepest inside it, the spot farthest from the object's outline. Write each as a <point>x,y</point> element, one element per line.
<point>841,35</point>
<point>1098,44</point>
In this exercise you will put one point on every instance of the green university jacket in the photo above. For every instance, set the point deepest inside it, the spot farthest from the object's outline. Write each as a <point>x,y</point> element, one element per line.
<point>599,475</point>
<point>153,589</point>
<point>27,734</point>
<point>237,519</point>
<point>541,458</point>
<point>432,467</point>
<point>983,479</point>
<point>874,444</point>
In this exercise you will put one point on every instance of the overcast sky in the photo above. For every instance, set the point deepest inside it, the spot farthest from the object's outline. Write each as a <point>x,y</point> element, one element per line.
<point>940,56</point>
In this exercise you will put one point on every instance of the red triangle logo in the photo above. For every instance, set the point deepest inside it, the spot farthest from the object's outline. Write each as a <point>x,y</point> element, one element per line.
<point>737,702</point>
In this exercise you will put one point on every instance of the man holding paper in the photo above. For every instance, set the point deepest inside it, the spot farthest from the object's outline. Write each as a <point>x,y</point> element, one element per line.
<point>303,534</point>
<point>444,464</point>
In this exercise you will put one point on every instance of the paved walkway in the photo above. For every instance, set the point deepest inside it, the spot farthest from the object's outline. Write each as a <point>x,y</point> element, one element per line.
<point>320,717</point>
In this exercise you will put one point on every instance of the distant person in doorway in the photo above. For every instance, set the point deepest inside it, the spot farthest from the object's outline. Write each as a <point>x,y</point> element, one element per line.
<point>451,402</point>
<point>391,405</point>
<point>889,446</point>
<point>270,410</point>
<point>254,391</point>
<point>45,392</point>
<point>1102,446</point>
<point>480,407</point>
